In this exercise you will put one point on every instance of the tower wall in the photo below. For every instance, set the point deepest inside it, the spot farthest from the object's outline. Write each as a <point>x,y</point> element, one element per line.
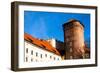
<point>73,40</point>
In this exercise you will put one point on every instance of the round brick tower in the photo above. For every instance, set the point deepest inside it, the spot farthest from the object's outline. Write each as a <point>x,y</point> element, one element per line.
<point>73,39</point>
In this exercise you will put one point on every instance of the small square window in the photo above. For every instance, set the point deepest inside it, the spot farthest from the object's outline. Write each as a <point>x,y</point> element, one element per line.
<point>50,57</point>
<point>71,57</point>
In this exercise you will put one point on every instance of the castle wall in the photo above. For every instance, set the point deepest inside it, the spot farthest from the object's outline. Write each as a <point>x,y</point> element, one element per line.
<point>73,40</point>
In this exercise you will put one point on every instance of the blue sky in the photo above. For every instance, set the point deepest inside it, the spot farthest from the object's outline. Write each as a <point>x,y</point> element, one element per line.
<point>46,25</point>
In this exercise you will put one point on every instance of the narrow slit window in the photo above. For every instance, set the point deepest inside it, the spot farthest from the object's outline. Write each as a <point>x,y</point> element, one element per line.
<point>54,58</point>
<point>71,57</point>
<point>32,52</point>
<point>45,55</point>
<point>41,56</point>
<point>26,59</point>
<point>26,50</point>
<point>71,50</point>
<point>36,54</point>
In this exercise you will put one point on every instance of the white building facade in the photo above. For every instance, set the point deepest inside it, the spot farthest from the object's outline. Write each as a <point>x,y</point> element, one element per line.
<point>35,53</point>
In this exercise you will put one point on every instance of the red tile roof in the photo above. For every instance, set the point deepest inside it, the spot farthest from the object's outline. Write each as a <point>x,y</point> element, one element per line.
<point>41,43</point>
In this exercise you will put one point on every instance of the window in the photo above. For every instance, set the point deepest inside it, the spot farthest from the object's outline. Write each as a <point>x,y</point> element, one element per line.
<point>71,50</point>
<point>54,58</point>
<point>36,54</point>
<point>71,57</point>
<point>31,59</point>
<point>50,57</point>
<point>67,39</point>
<point>32,52</point>
<point>26,50</point>
<point>41,55</point>
<point>70,43</point>
<point>26,59</point>
<point>45,55</point>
